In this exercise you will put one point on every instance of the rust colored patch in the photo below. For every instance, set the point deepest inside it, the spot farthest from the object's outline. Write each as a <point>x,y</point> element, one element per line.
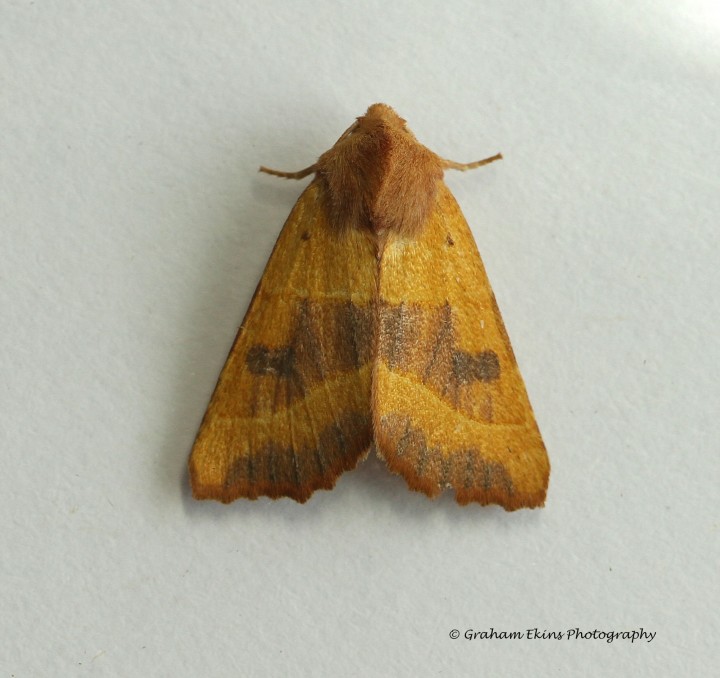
<point>422,341</point>
<point>326,339</point>
<point>356,325</point>
<point>399,326</point>
<point>346,344</point>
<point>441,333</point>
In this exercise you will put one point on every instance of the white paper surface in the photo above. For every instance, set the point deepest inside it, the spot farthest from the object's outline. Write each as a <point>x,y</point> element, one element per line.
<point>135,227</point>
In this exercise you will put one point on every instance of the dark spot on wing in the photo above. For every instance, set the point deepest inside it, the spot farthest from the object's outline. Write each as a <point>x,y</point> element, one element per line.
<point>483,366</point>
<point>327,339</point>
<point>263,360</point>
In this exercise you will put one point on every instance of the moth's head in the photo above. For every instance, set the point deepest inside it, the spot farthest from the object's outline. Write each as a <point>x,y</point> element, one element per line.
<point>381,115</point>
<point>378,176</point>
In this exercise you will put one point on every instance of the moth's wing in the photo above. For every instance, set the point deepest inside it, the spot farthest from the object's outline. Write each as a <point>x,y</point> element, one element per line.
<point>449,405</point>
<point>291,410</point>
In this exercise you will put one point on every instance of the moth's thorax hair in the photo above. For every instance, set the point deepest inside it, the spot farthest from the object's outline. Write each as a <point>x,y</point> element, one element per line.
<point>379,177</point>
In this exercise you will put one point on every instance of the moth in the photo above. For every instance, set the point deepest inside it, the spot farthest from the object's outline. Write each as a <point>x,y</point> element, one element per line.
<point>374,325</point>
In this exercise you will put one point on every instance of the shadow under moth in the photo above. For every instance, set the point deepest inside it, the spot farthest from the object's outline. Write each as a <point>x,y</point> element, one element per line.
<point>374,324</point>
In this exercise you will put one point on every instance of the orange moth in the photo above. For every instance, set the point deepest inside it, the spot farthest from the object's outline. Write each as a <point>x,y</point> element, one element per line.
<point>374,324</point>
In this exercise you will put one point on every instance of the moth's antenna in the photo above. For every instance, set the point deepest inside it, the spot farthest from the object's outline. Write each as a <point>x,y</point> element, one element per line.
<point>451,164</point>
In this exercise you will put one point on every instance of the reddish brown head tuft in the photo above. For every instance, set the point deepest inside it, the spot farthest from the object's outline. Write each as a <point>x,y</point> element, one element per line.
<point>379,177</point>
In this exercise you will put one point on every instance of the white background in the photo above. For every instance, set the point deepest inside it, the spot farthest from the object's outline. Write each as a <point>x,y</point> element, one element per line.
<point>134,228</point>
